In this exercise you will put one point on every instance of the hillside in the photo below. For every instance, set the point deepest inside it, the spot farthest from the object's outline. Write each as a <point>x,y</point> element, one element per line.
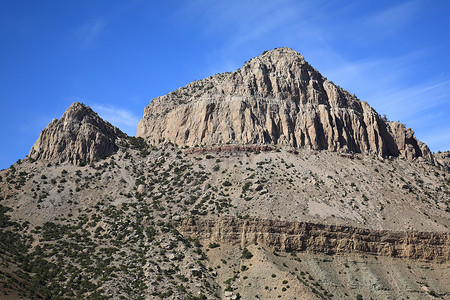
<point>297,191</point>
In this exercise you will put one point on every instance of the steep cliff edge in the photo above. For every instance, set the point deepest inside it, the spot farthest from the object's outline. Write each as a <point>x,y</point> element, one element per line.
<point>79,136</point>
<point>329,239</point>
<point>275,98</point>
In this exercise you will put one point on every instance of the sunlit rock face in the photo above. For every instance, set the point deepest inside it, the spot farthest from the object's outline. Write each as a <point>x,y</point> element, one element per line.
<point>276,98</point>
<point>79,136</point>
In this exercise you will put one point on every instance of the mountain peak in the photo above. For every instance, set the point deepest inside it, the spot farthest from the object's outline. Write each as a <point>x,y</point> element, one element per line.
<point>283,53</point>
<point>281,62</point>
<point>79,136</point>
<point>79,110</point>
<point>276,98</point>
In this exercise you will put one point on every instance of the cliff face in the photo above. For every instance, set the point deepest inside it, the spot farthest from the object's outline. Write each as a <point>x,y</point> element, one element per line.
<point>79,136</point>
<point>443,159</point>
<point>330,239</point>
<point>276,98</point>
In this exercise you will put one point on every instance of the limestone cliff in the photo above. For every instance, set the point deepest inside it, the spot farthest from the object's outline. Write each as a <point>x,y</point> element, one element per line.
<point>79,136</point>
<point>330,239</point>
<point>276,98</point>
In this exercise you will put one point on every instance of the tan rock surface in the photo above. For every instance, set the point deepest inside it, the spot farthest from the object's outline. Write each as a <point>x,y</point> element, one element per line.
<point>79,136</point>
<point>276,98</point>
<point>329,239</point>
<point>443,159</point>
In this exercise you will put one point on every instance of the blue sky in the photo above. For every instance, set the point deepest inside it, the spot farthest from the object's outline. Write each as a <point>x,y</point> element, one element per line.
<point>117,55</point>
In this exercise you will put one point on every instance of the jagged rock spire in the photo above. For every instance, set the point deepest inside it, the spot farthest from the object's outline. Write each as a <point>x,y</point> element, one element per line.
<point>79,136</point>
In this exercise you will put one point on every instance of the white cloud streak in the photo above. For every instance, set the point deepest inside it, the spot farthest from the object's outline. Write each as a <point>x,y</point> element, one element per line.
<point>439,139</point>
<point>393,18</point>
<point>89,32</point>
<point>119,117</point>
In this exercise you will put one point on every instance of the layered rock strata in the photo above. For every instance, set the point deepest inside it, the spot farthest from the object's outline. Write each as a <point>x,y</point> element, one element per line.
<point>230,148</point>
<point>276,98</point>
<point>79,136</point>
<point>329,239</point>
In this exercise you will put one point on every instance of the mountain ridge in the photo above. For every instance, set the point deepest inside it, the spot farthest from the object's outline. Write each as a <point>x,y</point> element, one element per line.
<point>96,214</point>
<point>276,98</point>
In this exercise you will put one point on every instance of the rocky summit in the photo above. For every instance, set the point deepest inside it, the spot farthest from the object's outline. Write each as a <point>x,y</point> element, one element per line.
<point>80,136</point>
<point>276,98</point>
<point>270,182</point>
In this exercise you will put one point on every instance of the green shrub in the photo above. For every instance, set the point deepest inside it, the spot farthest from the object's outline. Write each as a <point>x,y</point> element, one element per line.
<point>213,245</point>
<point>246,254</point>
<point>246,186</point>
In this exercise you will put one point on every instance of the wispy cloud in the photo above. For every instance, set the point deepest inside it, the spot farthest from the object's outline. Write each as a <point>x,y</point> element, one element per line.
<point>439,140</point>
<point>119,117</point>
<point>423,107</point>
<point>242,26</point>
<point>369,74</point>
<point>418,98</point>
<point>393,17</point>
<point>90,31</point>
<point>385,84</point>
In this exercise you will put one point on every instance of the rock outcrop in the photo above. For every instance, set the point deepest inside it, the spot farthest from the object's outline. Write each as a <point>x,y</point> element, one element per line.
<point>407,144</point>
<point>279,99</point>
<point>79,136</point>
<point>329,239</point>
<point>442,159</point>
<point>230,148</point>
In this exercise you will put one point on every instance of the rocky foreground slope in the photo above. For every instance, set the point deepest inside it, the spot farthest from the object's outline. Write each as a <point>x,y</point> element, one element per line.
<point>276,98</point>
<point>244,205</point>
<point>122,226</point>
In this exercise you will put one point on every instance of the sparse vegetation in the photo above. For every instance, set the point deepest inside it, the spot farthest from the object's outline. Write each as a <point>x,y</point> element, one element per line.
<point>114,226</point>
<point>246,254</point>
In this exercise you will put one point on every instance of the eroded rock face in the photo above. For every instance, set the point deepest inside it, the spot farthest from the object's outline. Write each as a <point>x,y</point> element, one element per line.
<point>330,239</point>
<point>79,136</point>
<point>443,159</point>
<point>276,98</point>
<point>406,143</point>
